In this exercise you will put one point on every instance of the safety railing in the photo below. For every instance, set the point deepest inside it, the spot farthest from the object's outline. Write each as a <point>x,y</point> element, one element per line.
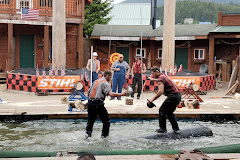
<point>74,8</point>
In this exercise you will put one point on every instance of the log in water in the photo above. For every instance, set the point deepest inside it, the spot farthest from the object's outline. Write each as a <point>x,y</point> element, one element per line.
<point>185,133</point>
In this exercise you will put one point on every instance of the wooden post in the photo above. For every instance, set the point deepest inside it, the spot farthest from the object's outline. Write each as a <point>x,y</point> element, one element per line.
<point>46,16</point>
<point>10,46</point>
<point>82,11</point>
<point>17,53</point>
<point>131,55</point>
<point>219,18</point>
<point>59,34</point>
<point>152,52</point>
<point>168,54</point>
<point>80,46</point>
<point>80,38</point>
<point>11,10</point>
<point>211,55</point>
<point>189,57</point>
<point>46,45</point>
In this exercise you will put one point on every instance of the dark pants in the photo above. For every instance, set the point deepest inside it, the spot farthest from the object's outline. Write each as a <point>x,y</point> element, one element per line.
<point>167,109</point>
<point>97,109</point>
<point>137,79</point>
<point>94,76</point>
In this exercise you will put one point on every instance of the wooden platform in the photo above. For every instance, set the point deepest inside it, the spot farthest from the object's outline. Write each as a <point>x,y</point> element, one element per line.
<point>228,156</point>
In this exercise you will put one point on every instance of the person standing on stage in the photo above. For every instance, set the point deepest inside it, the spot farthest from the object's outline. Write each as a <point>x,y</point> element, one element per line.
<point>95,66</point>
<point>96,96</point>
<point>138,68</point>
<point>167,87</point>
<point>121,71</point>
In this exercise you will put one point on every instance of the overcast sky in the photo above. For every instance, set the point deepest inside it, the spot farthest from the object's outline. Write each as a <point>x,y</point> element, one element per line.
<point>116,1</point>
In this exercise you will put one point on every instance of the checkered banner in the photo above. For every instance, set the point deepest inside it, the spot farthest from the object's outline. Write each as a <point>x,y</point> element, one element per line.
<point>29,83</point>
<point>22,82</point>
<point>204,82</point>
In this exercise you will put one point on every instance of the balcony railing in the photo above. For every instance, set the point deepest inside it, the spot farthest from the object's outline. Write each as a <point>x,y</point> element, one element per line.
<point>73,7</point>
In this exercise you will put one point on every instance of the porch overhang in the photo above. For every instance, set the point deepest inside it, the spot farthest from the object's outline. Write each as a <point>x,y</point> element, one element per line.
<point>178,38</point>
<point>25,22</point>
<point>120,38</point>
<point>16,19</point>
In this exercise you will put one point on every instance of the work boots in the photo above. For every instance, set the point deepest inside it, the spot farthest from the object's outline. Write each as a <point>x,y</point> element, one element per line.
<point>161,131</point>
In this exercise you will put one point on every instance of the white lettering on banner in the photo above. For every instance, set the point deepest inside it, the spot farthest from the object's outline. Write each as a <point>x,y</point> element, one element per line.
<point>186,83</point>
<point>58,82</point>
<point>72,83</point>
<point>183,82</point>
<point>65,83</point>
<point>52,82</point>
<point>43,83</point>
<point>180,82</point>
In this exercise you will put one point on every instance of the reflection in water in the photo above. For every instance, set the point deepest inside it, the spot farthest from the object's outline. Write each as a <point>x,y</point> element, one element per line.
<point>68,135</point>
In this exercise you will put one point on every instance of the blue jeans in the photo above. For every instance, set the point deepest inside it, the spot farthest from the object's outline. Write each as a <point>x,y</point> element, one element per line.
<point>118,82</point>
<point>94,76</point>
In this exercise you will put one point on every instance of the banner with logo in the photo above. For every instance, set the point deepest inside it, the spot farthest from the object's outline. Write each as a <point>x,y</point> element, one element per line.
<point>183,82</point>
<point>57,82</point>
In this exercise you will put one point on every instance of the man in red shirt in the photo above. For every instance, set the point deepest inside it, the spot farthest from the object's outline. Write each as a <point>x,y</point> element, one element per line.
<point>167,87</point>
<point>138,68</point>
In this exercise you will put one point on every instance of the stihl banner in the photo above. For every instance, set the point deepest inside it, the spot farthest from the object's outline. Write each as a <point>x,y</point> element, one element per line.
<point>183,82</point>
<point>57,82</point>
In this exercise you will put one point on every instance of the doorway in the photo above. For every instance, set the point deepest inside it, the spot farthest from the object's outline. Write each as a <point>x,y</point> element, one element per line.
<point>27,51</point>
<point>125,52</point>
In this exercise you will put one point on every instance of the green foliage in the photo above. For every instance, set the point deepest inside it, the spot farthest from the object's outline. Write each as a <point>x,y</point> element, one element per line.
<point>96,13</point>
<point>199,10</point>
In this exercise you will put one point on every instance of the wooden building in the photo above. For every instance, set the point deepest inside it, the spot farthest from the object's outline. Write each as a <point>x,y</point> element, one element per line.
<point>27,43</point>
<point>224,45</point>
<point>190,39</point>
<point>195,44</point>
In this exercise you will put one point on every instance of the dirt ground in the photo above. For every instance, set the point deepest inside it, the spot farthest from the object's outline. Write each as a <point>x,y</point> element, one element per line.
<point>19,101</point>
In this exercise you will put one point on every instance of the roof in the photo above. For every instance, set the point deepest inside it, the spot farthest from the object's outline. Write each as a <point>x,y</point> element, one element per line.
<point>110,31</point>
<point>130,14</point>
<point>187,30</point>
<point>121,30</point>
<point>220,29</point>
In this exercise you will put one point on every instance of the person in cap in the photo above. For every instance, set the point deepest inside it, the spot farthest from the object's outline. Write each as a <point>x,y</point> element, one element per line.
<point>95,66</point>
<point>121,71</point>
<point>138,68</point>
<point>96,96</point>
<point>167,87</point>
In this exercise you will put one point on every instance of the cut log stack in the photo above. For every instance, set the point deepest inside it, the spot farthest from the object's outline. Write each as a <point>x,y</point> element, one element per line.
<point>233,85</point>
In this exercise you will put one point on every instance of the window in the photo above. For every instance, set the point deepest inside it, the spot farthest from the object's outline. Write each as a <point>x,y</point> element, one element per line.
<point>43,3</point>
<point>199,53</point>
<point>138,50</point>
<point>4,1</point>
<point>24,4</point>
<point>160,53</point>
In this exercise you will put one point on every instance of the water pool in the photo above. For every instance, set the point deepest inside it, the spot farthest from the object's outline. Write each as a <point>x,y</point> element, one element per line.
<point>68,135</point>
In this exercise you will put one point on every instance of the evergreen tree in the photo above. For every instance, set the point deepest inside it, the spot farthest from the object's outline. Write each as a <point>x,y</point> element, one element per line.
<point>96,13</point>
